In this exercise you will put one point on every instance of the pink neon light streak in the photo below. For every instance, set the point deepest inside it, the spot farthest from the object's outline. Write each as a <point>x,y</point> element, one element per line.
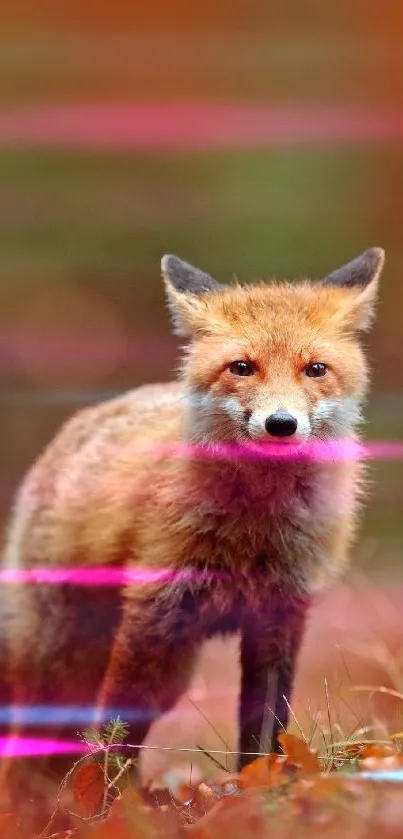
<point>94,576</point>
<point>312,450</point>
<point>194,125</point>
<point>34,746</point>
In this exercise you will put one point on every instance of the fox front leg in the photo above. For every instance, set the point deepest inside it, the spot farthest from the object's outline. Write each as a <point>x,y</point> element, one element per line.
<point>269,646</point>
<point>152,661</point>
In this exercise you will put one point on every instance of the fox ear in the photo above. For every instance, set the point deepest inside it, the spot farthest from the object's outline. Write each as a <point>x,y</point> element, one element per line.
<point>186,289</point>
<point>358,273</point>
<point>361,277</point>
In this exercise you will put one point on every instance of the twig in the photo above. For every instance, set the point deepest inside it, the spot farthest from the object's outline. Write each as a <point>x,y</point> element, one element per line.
<point>213,759</point>
<point>45,832</point>
<point>205,717</point>
<point>295,719</point>
<point>330,724</point>
<point>106,767</point>
<point>120,773</point>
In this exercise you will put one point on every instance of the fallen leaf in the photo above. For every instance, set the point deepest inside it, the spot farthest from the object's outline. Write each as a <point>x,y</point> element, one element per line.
<point>130,818</point>
<point>184,794</point>
<point>317,789</point>
<point>88,788</point>
<point>381,764</point>
<point>264,772</point>
<point>380,758</point>
<point>128,804</point>
<point>235,817</point>
<point>382,750</point>
<point>102,830</point>
<point>204,797</point>
<point>9,828</point>
<point>349,751</point>
<point>299,754</point>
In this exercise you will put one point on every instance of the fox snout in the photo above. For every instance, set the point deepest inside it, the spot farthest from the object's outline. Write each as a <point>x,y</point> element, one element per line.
<point>279,424</point>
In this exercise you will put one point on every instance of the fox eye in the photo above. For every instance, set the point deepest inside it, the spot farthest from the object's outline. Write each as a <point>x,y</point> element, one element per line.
<point>314,371</point>
<point>241,368</point>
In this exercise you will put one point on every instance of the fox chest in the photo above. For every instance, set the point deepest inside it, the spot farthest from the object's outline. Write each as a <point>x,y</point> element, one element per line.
<point>207,601</point>
<point>232,570</point>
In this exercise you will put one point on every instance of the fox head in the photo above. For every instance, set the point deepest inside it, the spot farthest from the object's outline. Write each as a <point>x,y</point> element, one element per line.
<point>276,362</point>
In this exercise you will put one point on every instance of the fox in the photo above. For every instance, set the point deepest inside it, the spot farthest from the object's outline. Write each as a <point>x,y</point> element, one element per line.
<point>206,503</point>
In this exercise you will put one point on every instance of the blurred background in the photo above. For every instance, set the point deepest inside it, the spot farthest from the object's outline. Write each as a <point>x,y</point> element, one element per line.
<point>251,138</point>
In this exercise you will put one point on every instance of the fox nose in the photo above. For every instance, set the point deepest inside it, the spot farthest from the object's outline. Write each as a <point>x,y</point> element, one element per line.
<point>281,424</point>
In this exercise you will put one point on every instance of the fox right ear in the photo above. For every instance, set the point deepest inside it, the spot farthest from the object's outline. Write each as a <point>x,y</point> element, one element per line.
<point>187,288</point>
<point>360,277</point>
<point>358,273</point>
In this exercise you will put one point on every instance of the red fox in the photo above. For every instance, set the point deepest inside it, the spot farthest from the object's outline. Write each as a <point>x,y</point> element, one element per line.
<point>186,482</point>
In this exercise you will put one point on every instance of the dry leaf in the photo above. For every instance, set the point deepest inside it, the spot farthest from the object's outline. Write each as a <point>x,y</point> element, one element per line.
<point>204,797</point>
<point>105,830</point>
<point>130,818</point>
<point>380,758</point>
<point>184,794</point>
<point>264,772</point>
<point>381,750</point>
<point>319,789</point>
<point>88,788</point>
<point>299,754</point>
<point>128,804</point>
<point>349,751</point>
<point>9,828</point>
<point>382,764</point>
<point>235,817</point>
<point>397,736</point>
<point>166,824</point>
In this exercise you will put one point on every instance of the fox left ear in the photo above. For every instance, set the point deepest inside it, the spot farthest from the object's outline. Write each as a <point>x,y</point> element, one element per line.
<point>186,288</point>
<point>360,276</point>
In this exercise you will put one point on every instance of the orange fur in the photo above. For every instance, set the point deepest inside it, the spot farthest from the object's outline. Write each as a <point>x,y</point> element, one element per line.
<point>258,536</point>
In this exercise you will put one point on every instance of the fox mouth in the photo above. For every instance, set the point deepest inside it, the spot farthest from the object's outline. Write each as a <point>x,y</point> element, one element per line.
<point>269,441</point>
<point>280,445</point>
